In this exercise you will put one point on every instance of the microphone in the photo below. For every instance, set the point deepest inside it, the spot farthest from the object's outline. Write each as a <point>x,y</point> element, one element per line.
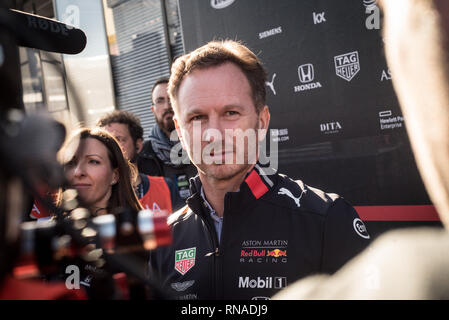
<point>152,227</point>
<point>42,33</point>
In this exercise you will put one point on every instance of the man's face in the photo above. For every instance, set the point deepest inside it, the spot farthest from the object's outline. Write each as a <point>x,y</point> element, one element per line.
<point>216,117</point>
<point>162,109</point>
<point>121,132</point>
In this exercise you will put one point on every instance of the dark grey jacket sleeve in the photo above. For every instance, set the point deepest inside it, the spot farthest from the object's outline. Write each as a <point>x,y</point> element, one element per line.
<point>344,236</point>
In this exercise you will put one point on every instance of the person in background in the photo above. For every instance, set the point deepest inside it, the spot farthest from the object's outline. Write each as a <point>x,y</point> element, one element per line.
<point>158,154</point>
<point>99,172</point>
<point>409,263</point>
<point>94,166</point>
<point>155,193</point>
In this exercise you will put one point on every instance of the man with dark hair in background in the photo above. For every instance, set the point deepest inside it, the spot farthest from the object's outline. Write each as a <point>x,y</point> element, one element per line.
<point>162,154</point>
<point>155,193</point>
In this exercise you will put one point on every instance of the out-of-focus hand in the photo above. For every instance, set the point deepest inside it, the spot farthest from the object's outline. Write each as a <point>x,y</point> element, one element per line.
<point>416,46</point>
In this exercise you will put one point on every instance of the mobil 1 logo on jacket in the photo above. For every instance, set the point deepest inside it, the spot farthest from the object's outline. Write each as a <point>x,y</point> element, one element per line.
<point>185,260</point>
<point>262,282</point>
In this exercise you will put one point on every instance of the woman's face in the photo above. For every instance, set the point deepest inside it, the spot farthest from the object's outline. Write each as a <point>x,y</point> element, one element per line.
<point>91,174</point>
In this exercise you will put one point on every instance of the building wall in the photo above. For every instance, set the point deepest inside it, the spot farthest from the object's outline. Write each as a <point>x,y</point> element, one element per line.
<point>141,51</point>
<point>42,72</point>
<point>143,36</point>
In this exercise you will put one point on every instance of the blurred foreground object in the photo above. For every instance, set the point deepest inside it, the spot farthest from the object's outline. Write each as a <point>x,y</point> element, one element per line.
<point>31,252</point>
<point>407,264</point>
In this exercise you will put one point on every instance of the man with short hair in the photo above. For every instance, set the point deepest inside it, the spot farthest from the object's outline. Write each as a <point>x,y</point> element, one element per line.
<point>160,155</point>
<point>243,233</point>
<point>155,193</point>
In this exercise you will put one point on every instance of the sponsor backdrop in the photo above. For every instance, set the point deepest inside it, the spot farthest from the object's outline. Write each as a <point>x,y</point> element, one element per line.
<point>334,112</point>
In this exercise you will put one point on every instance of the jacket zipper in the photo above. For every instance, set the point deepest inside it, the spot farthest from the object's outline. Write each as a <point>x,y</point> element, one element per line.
<point>216,255</point>
<point>216,252</point>
<point>218,276</point>
<point>219,290</point>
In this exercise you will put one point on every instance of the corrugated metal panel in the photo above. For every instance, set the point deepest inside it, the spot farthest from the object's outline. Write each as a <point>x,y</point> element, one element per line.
<point>142,58</point>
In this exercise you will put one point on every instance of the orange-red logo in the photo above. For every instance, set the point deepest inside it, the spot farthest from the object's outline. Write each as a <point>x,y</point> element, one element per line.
<point>277,253</point>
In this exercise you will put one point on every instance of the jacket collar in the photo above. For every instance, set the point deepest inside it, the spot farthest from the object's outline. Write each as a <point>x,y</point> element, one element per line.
<point>257,183</point>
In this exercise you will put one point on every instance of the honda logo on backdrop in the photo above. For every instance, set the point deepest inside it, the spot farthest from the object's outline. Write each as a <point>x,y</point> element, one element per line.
<point>306,73</point>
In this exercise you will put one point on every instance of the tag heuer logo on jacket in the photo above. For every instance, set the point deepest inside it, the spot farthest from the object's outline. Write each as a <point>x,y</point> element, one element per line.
<point>184,260</point>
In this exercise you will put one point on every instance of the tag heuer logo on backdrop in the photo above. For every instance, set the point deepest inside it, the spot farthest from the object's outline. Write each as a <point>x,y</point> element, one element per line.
<point>184,260</point>
<point>220,4</point>
<point>347,65</point>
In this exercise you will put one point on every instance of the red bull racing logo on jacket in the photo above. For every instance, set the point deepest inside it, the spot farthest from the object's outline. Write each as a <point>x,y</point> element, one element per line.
<point>277,253</point>
<point>264,251</point>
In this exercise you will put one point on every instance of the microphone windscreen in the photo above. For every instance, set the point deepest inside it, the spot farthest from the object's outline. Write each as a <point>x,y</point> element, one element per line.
<point>47,34</point>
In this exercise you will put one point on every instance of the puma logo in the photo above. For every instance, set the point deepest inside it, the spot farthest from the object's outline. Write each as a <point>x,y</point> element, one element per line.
<point>288,193</point>
<point>271,84</point>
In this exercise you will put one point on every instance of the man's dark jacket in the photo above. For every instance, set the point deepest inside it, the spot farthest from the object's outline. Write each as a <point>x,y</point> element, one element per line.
<point>275,231</point>
<point>150,164</point>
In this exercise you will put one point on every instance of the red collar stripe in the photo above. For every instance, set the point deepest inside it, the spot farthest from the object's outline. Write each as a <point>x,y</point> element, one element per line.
<point>256,185</point>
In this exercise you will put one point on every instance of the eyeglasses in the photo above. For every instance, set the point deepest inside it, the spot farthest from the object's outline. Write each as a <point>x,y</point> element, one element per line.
<point>162,101</point>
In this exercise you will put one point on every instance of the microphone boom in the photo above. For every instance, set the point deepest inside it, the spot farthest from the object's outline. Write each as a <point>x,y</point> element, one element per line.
<point>42,33</point>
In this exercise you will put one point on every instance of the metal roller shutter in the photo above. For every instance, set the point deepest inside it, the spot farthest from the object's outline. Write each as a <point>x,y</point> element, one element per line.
<point>143,55</point>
